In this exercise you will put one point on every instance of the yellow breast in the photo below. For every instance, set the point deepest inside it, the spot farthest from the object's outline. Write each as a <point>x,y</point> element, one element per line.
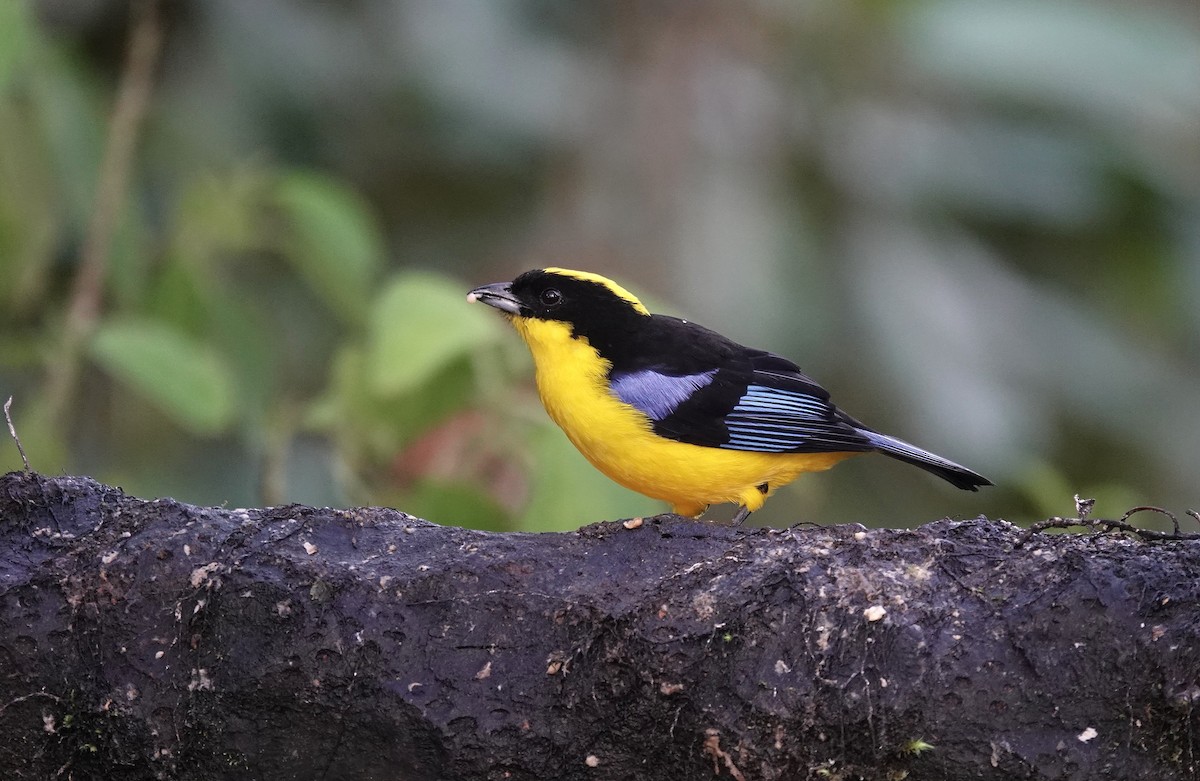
<point>572,380</point>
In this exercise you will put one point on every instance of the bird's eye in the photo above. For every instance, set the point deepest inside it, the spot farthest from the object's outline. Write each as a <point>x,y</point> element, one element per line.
<point>551,297</point>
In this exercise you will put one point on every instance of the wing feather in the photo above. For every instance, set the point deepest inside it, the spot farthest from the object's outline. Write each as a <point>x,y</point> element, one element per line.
<point>758,401</point>
<point>654,393</point>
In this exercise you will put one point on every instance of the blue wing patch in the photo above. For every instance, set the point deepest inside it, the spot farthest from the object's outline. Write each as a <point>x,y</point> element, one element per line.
<point>657,395</point>
<point>772,420</point>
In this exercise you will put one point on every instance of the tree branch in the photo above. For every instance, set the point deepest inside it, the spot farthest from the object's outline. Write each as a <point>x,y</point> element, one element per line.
<point>156,639</point>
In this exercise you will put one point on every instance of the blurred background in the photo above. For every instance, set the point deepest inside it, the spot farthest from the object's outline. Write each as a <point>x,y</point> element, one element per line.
<point>236,237</point>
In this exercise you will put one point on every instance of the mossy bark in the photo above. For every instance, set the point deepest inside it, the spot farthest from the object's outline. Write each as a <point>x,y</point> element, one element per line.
<point>153,639</point>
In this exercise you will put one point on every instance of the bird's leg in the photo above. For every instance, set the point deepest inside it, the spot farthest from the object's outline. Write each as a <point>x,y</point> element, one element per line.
<point>744,511</point>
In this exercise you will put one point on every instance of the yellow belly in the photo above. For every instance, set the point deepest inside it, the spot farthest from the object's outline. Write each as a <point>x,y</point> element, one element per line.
<point>573,385</point>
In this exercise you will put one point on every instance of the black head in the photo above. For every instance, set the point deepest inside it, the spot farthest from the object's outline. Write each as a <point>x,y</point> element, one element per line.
<point>592,305</point>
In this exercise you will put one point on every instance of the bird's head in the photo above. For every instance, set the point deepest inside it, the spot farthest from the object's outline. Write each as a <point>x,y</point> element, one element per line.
<point>591,306</point>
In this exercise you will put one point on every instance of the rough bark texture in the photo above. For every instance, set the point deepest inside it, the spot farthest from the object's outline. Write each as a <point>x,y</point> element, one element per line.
<point>159,640</point>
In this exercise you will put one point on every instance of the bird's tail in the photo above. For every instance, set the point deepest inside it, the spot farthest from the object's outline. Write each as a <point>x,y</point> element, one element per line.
<point>955,474</point>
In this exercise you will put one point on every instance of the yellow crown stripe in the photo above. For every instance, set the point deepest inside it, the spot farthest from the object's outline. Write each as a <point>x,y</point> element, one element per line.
<point>616,289</point>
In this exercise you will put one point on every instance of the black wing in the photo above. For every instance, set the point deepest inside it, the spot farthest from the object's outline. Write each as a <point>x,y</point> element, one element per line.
<point>698,387</point>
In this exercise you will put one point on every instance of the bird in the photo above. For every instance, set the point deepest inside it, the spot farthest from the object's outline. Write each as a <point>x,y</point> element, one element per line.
<point>675,411</point>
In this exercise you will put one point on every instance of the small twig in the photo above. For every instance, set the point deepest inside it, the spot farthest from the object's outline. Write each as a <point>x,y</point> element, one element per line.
<point>1148,508</point>
<point>12,432</point>
<point>1083,508</point>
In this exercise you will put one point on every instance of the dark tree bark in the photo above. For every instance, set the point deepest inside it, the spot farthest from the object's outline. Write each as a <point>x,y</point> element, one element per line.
<point>159,640</point>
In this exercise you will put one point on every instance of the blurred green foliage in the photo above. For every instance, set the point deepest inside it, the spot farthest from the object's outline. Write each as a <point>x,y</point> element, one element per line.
<point>977,223</point>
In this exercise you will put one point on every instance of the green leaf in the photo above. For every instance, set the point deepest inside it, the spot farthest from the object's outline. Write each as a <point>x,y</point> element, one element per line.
<point>331,240</point>
<point>420,324</point>
<point>181,376</point>
<point>369,429</point>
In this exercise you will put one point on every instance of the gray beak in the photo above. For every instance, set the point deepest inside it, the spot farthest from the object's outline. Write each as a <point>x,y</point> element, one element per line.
<point>498,295</point>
